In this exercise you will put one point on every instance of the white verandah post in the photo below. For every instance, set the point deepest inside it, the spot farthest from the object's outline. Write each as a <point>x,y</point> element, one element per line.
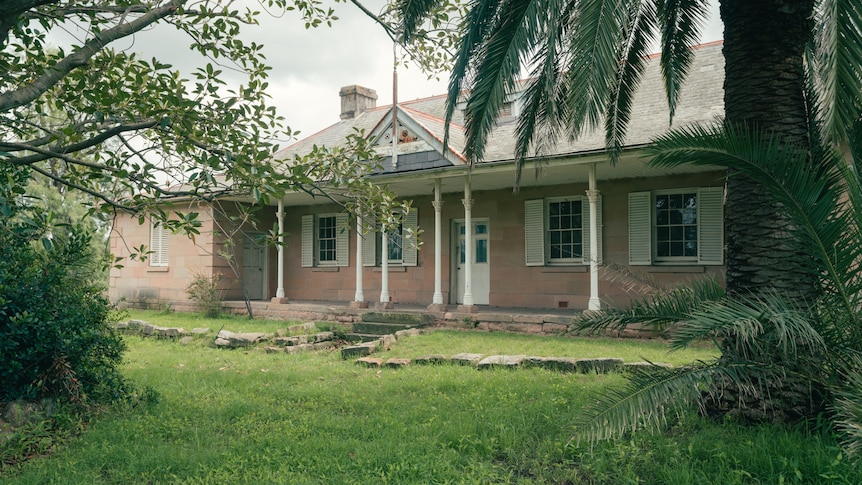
<point>468,243</point>
<point>438,242</point>
<point>593,195</point>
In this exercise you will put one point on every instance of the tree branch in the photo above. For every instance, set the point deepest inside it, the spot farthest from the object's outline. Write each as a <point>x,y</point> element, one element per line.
<point>79,58</point>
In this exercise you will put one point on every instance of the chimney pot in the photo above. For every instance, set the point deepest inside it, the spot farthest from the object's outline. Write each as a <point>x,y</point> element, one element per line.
<point>355,100</point>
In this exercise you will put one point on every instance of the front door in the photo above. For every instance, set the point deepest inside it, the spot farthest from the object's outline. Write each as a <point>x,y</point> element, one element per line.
<point>253,263</point>
<point>480,256</point>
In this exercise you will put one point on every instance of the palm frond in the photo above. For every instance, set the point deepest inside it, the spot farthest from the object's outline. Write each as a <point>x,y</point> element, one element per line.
<point>540,107</point>
<point>645,402</point>
<point>498,65</point>
<point>593,55</point>
<point>848,410</point>
<point>640,27</point>
<point>661,310</point>
<point>480,20</point>
<point>820,231</point>
<point>681,22</point>
<point>757,329</point>
<point>413,13</point>
<point>839,59</point>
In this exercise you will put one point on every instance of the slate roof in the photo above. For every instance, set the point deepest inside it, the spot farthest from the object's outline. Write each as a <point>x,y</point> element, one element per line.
<point>701,100</point>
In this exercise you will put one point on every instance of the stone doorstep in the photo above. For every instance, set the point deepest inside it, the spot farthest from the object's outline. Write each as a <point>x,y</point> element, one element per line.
<point>466,358</point>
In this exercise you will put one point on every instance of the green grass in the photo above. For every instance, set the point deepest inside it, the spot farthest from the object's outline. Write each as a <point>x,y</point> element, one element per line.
<point>234,323</point>
<point>244,416</point>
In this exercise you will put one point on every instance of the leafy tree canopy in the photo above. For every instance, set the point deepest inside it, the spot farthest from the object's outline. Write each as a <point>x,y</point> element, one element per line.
<point>134,132</point>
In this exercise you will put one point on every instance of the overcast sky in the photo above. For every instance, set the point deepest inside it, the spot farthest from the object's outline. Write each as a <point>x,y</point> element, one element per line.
<point>310,66</point>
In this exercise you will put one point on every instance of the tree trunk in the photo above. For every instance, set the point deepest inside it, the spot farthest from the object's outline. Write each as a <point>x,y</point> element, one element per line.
<point>764,44</point>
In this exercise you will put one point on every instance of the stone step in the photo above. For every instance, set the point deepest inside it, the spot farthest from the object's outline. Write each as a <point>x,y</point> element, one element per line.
<point>408,319</point>
<point>379,328</point>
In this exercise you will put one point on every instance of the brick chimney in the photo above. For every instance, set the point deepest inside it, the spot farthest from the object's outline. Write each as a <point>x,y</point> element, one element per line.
<point>355,100</point>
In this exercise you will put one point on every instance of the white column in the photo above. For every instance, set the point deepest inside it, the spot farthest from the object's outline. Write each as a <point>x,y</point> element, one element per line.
<point>593,195</point>
<point>360,295</point>
<point>279,293</point>
<point>438,245</point>
<point>384,266</point>
<point>468,243</point>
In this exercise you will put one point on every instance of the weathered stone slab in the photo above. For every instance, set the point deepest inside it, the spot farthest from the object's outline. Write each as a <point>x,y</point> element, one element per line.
<point>554,328</point>
<point>137,323</point>
<point>387,341</point>
<point>355,351</point>
<point>501,361</point>
<point>186,340</point>
<point>599,365</point>
<point>321,337</point>
<point>291,341</point>
<point>497,317</point>
<point>122,325</point>
<point>528,319</point>
<point>325,345</point>
<point>430,359</point>
<point>200,331</point>
<point>560,319</point>
<point>273,350</point>
<point>397,363</point>
<point>302,328</point>
<point>299,348</point>
<point>561,364</point>
<point>466,359</point>
<point>412,319</point>
<point>221,342</point>
<point>369,362</point>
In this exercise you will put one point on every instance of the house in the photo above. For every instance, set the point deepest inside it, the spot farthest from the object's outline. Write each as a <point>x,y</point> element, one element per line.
<point>573,236</point>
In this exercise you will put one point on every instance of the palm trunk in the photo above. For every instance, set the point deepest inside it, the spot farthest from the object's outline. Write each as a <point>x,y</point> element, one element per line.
<point>764,44</point>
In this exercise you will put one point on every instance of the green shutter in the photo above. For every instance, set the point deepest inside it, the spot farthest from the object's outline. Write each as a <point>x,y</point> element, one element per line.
<point>710,233</point>
<point>534,232</point>
<point>307,241</point>
<point>585,218</point>
<point>640,228</point>
<point>342,241</point>
<point>409,249</point>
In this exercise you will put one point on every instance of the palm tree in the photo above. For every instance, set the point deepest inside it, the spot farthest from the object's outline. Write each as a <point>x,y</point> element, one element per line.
<point>587,57</point>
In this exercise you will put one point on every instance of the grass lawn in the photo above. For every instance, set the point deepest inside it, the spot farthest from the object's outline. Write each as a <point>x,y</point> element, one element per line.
<point>237,416</point>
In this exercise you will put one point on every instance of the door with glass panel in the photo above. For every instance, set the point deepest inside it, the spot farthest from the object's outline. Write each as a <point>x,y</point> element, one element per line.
<point>480,256</point>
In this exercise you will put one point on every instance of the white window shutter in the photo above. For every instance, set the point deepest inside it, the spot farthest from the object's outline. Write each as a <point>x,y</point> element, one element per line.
<point>158,245</point>
<point>585,222</point>
<point>534,232</point>
<point>369,248</point>
<point>710,231</point>
<point>640,228</point>
<point>307,241</point>
<point>342,241</point>
<point>409,256</point>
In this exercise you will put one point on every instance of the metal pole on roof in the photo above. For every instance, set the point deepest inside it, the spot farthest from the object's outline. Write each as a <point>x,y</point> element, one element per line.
<point>394,106</point>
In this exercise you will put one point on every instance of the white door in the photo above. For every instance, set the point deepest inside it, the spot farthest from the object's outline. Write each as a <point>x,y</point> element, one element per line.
<point>253,263</point>
<point>480,256</point>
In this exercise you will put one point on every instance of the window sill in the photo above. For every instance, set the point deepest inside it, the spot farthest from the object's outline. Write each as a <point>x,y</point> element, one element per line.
<point>695,268</point>
<point>565,269</point>
<point>392,269</point>
<point>325,269</point>
<point>158,269</point>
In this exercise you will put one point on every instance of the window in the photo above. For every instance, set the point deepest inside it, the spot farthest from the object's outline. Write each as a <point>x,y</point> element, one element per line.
<point>158,245</point>
<point>683,226</point>
<point>557,230</point>
<point>325,240</point>
<point>401,251</point>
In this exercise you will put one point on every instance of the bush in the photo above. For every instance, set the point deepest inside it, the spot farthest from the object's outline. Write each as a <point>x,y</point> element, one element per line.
<point>55,337</point>
<point>205,292</point>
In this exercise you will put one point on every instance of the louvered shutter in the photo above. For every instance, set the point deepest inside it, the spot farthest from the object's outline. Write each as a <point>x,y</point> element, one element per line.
<point>369,248</point>
<point>640,228</point>
<point>534,232</point>
<point>342,241</point>
<point>585,221</point>
<point>409,256</point>
<point>158,245</point>
<point>710,231</point>
<point>307,241</point>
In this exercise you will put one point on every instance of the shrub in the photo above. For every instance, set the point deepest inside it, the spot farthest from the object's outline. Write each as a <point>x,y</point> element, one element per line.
<point>55,337</point>
<point>204,290</point>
